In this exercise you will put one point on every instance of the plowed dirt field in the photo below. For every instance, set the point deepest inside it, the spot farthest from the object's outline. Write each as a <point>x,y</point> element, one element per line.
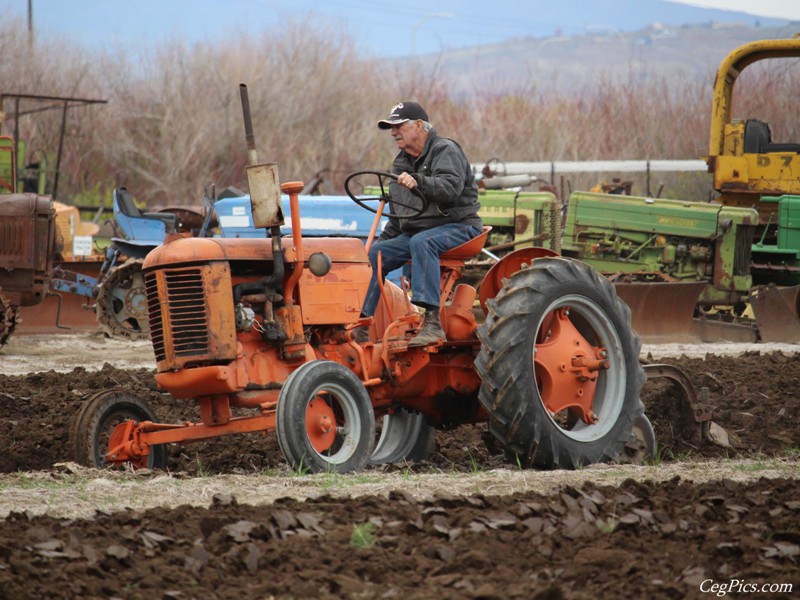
<point>229,519</point>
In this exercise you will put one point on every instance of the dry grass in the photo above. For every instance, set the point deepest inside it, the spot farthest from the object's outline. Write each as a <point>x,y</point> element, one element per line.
<point>173,121</point>
<point>77,492</point>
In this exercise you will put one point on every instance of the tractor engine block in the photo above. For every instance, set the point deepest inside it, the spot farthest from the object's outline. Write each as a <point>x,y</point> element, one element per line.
<point>653,239</point>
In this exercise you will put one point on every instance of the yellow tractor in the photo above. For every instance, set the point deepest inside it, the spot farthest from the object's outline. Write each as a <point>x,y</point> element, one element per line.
<point>751,169</point>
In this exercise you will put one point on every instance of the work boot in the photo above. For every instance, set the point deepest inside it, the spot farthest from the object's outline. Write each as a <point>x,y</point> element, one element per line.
<point>361,334</point>
<point>431,331</point>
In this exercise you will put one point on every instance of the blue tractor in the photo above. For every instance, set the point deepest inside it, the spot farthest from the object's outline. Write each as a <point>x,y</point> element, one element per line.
<point>120,301</point>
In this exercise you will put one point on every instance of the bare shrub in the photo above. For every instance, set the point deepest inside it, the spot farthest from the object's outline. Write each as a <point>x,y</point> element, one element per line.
<point>173,119</point>
<point>181,124</point>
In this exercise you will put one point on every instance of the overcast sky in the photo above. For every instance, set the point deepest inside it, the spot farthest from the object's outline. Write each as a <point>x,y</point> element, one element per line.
<point>380,27</point>
<point>784,9</point>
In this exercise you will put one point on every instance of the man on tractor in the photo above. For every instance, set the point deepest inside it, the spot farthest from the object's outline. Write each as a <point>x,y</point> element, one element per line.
<point>434,175</point>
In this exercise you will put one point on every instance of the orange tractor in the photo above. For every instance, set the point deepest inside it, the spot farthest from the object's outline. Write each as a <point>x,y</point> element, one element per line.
<point>267,325</point>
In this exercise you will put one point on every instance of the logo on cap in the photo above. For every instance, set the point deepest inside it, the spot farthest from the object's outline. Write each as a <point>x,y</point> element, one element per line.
<point>396,110</point>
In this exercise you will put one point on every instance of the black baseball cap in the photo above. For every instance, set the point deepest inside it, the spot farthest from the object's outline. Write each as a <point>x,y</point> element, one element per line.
<point>402,112</point>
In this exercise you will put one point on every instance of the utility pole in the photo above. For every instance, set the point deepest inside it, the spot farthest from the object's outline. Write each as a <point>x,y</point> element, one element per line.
<point>30,25</point>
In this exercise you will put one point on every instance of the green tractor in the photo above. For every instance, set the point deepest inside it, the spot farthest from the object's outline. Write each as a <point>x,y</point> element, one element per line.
<point>669,260</point>
<point>518,220</point>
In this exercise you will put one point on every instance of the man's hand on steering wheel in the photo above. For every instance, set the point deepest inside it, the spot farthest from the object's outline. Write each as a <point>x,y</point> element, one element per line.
<point>402,179</point>
<point>407,181</point>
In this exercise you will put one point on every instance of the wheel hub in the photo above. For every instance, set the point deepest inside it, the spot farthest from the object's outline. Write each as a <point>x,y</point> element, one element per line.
<point>320,424</point>
<point>136,303</point>
<point>567,367</point>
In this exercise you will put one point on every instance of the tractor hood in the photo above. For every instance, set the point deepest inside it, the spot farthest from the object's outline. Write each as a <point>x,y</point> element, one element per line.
<point>194,250</point>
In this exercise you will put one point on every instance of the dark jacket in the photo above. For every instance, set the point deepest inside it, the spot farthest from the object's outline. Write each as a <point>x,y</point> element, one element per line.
<point>444,177</point>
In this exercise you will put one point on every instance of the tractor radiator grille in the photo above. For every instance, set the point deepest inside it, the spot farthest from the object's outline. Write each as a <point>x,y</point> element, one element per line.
<point>180,308</point>
<point>744,246</point>
<point>154,315</point>
<point>11,239</point>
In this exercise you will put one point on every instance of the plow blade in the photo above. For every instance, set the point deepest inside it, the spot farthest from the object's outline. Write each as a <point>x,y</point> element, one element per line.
<point>776,313</point>
<point>662,313</point>
<point>696,407</point>
<point>62,312</point>
<point>693,411</point>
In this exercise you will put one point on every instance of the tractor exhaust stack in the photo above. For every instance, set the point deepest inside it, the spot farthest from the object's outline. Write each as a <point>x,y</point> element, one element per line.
<point>265,193</point>
<point>265,196</point>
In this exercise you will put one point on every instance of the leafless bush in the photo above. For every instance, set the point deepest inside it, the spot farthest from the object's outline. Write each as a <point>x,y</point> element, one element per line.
<point>178,122</point>
<point>173,119</point>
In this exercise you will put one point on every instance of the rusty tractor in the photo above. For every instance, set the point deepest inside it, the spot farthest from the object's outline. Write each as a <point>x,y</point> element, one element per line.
<point>259,333</point>
<point>27,248</point>
<point>28,241</point>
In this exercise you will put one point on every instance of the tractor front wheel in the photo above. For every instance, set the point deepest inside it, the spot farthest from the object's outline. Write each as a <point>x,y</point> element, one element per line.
<point>559,366</point>
<point>324,419</point>
<point>96,422</point>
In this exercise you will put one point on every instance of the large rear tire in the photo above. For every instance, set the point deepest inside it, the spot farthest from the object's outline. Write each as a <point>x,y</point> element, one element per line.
<point>404,437</point>
<point>324,419</point>
<point>560,369</point>
<point>96,421</point>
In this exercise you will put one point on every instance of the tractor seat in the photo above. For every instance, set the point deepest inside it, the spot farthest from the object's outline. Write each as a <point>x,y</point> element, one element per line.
<point>468,249</point>
<point>128,208</point>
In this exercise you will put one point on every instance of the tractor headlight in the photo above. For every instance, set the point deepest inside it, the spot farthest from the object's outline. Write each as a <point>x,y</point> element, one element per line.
<point>245,317</point>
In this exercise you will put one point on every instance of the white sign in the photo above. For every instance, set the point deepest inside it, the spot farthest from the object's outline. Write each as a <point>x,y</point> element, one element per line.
<point>82,245</point>
<point>226,221</point>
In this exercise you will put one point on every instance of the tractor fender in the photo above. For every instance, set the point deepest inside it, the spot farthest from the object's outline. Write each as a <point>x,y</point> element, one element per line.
<point>507,266</point>
<point>135,248</point>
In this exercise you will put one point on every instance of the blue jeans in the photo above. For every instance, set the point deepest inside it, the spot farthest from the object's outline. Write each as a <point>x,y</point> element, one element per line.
<point>423,250</point>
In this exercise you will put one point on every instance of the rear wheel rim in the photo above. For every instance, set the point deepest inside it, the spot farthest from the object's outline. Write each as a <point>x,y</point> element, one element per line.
<point>121,304</point>
<point>576,326</point>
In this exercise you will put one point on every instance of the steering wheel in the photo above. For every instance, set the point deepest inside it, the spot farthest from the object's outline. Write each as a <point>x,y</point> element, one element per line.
<point>382,177</point>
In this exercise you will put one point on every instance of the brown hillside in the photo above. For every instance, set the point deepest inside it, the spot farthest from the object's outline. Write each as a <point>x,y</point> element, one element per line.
<point>568,64</point>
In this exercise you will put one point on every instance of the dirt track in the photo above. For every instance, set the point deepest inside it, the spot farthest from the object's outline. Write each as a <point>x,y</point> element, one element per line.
<point>463,525</point>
